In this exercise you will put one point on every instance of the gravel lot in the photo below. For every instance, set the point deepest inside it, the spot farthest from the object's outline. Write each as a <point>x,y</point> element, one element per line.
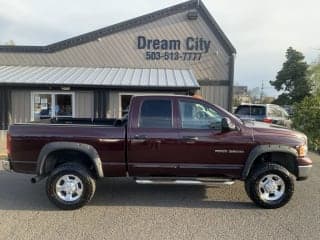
<point>123,210</point>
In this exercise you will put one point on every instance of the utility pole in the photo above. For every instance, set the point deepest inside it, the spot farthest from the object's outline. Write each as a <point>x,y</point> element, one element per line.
<point>261,91</point>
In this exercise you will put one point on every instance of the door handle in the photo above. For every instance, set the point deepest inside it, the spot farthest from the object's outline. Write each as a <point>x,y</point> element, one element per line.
<point>140,136</point>
<point>190,139</point>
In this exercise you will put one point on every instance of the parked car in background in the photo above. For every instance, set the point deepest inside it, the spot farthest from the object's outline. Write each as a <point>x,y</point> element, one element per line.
<point>268,113</point>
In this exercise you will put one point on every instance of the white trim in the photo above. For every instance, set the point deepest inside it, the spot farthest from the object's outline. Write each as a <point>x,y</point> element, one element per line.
<point>53,98</point>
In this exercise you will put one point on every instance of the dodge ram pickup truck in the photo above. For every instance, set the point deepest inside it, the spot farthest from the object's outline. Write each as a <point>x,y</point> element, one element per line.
<point>167,139</point>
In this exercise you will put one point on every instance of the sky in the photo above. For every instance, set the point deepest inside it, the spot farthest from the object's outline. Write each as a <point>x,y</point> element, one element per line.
<point>261,31</point>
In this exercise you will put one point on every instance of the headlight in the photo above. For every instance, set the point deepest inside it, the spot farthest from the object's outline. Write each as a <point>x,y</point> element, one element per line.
<point>302,150</point>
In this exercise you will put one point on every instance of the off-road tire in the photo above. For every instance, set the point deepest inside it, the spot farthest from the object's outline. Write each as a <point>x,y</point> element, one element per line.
<point>263,170</point>
<point>80,171</point>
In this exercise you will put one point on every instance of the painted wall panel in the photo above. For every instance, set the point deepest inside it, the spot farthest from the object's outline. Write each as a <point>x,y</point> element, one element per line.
<point>21,106</point>
<point>216,94</point>
<point>84,104</point>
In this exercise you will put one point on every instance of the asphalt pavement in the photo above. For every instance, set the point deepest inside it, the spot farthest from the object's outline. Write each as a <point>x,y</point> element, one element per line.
<point>122,209</point>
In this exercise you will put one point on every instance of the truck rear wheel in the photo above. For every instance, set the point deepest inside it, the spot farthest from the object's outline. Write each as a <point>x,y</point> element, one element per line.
<point>270,186</point>
<point>70,186</point>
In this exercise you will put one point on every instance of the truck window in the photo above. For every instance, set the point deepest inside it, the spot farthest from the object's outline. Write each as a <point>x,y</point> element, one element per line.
<point>198,116</point>
<point>156,114</point>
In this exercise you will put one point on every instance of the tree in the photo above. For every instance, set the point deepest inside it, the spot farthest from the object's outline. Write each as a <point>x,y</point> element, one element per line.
<point>306,118</point>
<point>292,79</point>
<point>9,43</point>
<point>314,77</point>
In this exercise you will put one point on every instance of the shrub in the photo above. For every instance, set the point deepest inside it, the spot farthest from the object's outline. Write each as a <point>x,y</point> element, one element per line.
<point>306,118</point>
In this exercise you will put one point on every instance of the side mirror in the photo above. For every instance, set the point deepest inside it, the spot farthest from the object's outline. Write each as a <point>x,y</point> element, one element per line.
<point>227,125</point>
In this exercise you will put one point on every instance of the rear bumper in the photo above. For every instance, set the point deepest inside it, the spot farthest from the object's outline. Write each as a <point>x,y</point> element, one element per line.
<point>6,165</point>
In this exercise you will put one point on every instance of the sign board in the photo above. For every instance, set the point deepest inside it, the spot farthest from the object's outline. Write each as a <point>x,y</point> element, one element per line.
<point>188,49</point>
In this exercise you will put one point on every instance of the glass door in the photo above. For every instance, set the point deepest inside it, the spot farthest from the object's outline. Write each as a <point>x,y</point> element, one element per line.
<point>42,106</point>
<point>63,105</point>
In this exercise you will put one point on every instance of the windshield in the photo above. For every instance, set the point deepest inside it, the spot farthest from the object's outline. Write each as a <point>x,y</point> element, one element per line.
<point>248,110</point>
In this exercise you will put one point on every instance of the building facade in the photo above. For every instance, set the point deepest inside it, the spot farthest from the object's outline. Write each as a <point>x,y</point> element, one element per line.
<point>180,49</point>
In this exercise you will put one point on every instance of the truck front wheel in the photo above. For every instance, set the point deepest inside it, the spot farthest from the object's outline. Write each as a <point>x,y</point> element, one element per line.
<point>270,186</point>
<point>70,186</point>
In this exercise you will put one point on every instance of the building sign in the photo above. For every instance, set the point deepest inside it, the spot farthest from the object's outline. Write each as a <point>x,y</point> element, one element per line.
<point>189,49</point>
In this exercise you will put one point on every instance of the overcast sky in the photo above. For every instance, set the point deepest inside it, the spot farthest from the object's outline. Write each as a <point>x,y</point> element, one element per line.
<point>261,31</point>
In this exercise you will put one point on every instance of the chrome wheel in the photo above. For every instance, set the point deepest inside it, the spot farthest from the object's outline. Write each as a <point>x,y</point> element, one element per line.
<point>271,187</point>
<point>69,188</point>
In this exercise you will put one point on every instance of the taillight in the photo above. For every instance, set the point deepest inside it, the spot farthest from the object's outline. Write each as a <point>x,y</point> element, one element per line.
<point>267,120</point>
<point>8,143</point>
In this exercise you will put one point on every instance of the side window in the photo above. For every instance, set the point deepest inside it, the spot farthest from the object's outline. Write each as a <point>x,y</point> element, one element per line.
<point>198,116</point>
<point>278,112</point>
<point>272,112</point>
<point>156,114</point>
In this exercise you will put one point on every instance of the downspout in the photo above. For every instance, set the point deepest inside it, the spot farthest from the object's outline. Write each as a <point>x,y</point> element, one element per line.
<point>231,80</point>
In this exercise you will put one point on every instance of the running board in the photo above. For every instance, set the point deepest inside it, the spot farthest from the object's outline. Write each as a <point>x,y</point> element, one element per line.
<point>182,181</point>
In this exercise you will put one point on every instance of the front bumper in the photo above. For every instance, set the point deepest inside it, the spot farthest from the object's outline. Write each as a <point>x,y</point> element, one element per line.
<point>304,167</point>
<point>304,172</point>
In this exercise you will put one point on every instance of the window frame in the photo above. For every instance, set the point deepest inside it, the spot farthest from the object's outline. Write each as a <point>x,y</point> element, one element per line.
<point>196,102</point>
<point>53,99</point>
<point>156,99</point>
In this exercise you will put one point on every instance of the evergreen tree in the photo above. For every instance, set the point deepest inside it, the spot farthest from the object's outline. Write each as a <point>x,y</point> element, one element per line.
<point>292,79</point>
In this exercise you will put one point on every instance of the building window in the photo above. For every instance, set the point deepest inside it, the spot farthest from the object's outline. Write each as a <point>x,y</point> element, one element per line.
<point>45,105</point>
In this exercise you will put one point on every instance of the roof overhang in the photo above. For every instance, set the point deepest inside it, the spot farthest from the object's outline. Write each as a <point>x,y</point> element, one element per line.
<point>124,78</point>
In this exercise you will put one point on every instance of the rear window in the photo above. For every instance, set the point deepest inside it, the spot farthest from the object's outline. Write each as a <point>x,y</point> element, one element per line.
<point>156,114</point>
<point>251,110</point>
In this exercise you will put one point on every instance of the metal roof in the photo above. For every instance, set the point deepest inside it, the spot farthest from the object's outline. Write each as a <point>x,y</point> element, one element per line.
<point>98,77</point>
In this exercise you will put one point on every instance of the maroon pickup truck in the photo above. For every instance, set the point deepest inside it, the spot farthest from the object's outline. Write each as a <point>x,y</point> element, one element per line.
<point>165,139</point>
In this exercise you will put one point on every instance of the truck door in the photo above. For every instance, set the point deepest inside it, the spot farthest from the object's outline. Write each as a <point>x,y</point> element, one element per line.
<point>152,137</point>
<point>205,150</point>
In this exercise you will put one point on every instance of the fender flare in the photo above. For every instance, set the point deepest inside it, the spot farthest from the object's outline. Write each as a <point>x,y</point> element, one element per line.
<point>89,150</point>
<point>261,149</point>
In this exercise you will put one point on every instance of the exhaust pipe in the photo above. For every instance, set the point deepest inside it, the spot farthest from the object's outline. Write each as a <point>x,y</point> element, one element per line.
<point>36,179</point>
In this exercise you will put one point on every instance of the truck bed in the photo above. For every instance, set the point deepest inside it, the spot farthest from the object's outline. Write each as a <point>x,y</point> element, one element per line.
<point>27,140</point>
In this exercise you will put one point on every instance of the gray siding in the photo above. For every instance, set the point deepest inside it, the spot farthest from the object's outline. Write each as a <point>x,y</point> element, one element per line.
<point>114,105</point>
<point>84,104</point>
<point>216,94</point>
<point>120,50</point>
<point>3,138</point>
<point>21,106</point>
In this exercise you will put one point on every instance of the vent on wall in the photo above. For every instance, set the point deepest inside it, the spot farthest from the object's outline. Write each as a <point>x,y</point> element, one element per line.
<point>192,15</point>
